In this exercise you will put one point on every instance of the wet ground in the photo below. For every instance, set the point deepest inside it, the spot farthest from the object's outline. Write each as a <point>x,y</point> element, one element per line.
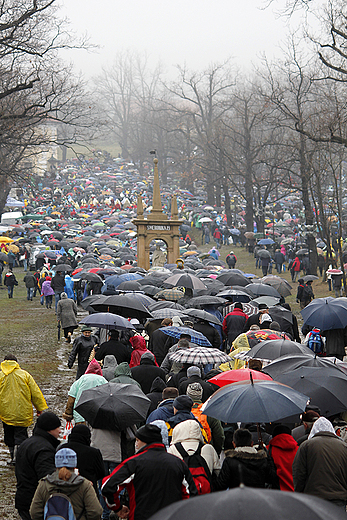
<point>29,331</point>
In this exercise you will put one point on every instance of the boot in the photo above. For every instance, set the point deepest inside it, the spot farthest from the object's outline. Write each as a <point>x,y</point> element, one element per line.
<point>12,461</point>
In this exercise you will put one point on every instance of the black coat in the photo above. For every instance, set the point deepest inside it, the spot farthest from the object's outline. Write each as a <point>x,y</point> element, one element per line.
<point>207,388</point>
<point>145,373</point>
<point>82,348</point>
<point>115,348</point>
<point>209,332</point>
<point>155,395</point>
<point>58,283</point>
<point>159,344</point>
<point>35,460</point>
<point>89,460</point>
<point>255,469</point>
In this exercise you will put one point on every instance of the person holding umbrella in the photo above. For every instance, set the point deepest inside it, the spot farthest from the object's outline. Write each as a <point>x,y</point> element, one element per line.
<point>82,348</point>
<point>154,478</point>
<point>58,285</point>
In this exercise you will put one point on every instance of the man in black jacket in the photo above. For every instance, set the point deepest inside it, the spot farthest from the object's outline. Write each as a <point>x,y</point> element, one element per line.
<point>35,460</point>
<point>89,460</point>
<point>146,372</point>
<point>209,332</point>
<point>159,343</point>
<point>194,376</point>
<point>113,347</point>
<point>154,478</point>
<point>58,286</point>
<point>245,465</point>
<point>82,348</point>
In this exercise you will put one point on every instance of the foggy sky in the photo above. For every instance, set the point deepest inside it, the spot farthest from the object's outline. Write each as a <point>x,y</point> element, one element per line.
<point>192,32</point>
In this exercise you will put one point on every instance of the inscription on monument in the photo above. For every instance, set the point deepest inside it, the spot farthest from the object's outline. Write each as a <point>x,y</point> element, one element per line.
<point>158,228</point>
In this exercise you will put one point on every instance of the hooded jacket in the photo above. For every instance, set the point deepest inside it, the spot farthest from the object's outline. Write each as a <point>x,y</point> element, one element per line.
<point>35,460</point>
<point>188,433</point>
<point>46,289</point>
<point>77,488</point>
<point>248,466</point>
<point>234,324</point>
<point>123,375</point>
<point>18,393</point>
<point>109,367</point>
<point>146,372</point>
<point>89,460</point>
<point>163,412</point>
<point>282,449</point>
<point>155,395</point>
<point>139,345</point>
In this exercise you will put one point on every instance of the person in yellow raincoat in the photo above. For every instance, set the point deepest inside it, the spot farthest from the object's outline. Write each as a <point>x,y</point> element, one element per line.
<point>18,394</point>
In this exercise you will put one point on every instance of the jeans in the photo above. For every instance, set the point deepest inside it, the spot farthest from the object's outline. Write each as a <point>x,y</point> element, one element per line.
<point>49,299</point>
<point>10,291</point>
<point>14,435</point>
<point>25,264</point>
<point>279,267</point>
<point>30,292</point>
<point>109,467</point>
<point>57,298</point>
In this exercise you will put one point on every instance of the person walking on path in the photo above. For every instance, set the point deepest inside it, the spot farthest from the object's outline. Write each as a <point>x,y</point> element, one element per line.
<point>66,315</point>
<point>282,448</point>
<point>35,460</point>
<point>18,394</point>
<point>82,348</point>
<point>295,268</point>
<point>10,281</point>
<point>58,285</point>
<point>154,478</point>
<point>64,480</point>
<point>47,292</point>
<point>30,283</point>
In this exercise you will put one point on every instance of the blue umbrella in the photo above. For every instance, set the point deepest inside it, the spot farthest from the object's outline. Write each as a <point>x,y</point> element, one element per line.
<point>196,337</point>
<point>266,242</point>
<point>107,320</point>
<point>326,313</point>
<point>255,402</point>
<point>130,276</point>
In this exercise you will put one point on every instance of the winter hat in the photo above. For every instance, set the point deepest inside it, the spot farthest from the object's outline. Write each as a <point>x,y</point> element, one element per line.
<point>86,328</point>
<point>183,402</point>
<point>65,458</point>
<point>193,371</point>
<point>310,416</point>
<point>164,431</point>
<point>148,355</point>
<point>194,391</point>
<point>149,433</point>
<point>281,428</point>
<point>94,368</point>
<point>265,317</point>
<point>48,421</point>
<point>80,433</point>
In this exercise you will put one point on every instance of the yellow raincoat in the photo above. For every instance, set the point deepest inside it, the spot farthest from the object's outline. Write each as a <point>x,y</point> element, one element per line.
<point>18,394</point>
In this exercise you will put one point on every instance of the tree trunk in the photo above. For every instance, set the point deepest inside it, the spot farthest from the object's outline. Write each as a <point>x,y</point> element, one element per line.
<point>5,188</point>
<point>227,202</point>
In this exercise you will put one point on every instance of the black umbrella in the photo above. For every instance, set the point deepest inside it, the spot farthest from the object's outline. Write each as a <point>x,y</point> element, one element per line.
<point>113,406</point>
<point>235,295</point>
<point>150,289</point>
<point>123,305</point>
<point>4,257</point>
<point>264,253</point>
<point>203,315</point>
<point>326,389</point>
<point>129,285</point>
<point>166,305</point>
<point>275,348</point>
<point>233,279</point>
<point>260,289</point>
<point>62,267</point>
<point>310,278</point>
<point>90,277</point>
<point>185,280</point>
<point>89,300</point>
<point>244,503</point>
<point>107,320</point>
<point>199,301</point>
<point>292,362</point>
<point>281,315</point>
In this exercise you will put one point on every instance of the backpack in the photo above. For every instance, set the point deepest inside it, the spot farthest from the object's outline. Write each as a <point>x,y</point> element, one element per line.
<point>198,468</point>
<point>58,507</point>
<point>202,419</point>
<point>315,342</point>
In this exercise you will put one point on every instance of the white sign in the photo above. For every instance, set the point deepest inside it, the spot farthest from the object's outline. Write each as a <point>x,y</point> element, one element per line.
<point>158,228</point>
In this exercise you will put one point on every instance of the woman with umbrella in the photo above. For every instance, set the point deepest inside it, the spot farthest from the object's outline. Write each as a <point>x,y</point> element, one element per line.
<point>66,315</point>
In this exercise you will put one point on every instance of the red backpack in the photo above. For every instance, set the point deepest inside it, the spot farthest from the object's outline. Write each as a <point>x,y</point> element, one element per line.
<point>197,466</point>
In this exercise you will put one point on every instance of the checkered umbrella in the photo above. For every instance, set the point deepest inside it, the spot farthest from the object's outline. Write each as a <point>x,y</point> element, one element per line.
<point>160,314</point>
<point>196,337</point>
<point>199,356</point>
<point>170,294</point>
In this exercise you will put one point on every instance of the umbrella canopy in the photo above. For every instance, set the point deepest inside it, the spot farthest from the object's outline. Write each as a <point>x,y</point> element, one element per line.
<point>199,356</point>
<point>130,285</point>
<point>289,363</point>
<point>196,337</point>
<point>90,277</point>
<point>281,315</point>
<point>199,301</point>
<point>267,300</point>
<point>280,284</point>
<point>326,389</point>
<point>62,268</point>
<point>122,305</point>
<point>310,278</point>
<point>185,280</point>
<point>264,253</point>
<point>107,320</point>
<point>244,503</point>
<point>235,295</point>
<point>231,278</point>
<point>166,305</point>
<point>3,257</point>
<point>255,402</point>
<point>235,376</point>
<point>326,313</point>
<point>160,314</point>
<point>260,289</point>
<point>203,315</point>
<point>266,242</point>
<point>113,406</point>
<point>275,348</point>
<point>170,294</point>
<point>89,300</point>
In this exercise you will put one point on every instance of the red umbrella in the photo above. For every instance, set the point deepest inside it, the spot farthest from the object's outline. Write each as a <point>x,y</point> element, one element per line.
<point>76,271</point>
<point>235,376</point>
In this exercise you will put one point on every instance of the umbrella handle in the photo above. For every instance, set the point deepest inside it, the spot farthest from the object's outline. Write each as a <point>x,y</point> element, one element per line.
<point>260,440</point>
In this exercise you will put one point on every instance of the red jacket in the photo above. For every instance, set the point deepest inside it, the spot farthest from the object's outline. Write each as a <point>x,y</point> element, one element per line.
<point>282,449</point>
<point>296,265</point>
